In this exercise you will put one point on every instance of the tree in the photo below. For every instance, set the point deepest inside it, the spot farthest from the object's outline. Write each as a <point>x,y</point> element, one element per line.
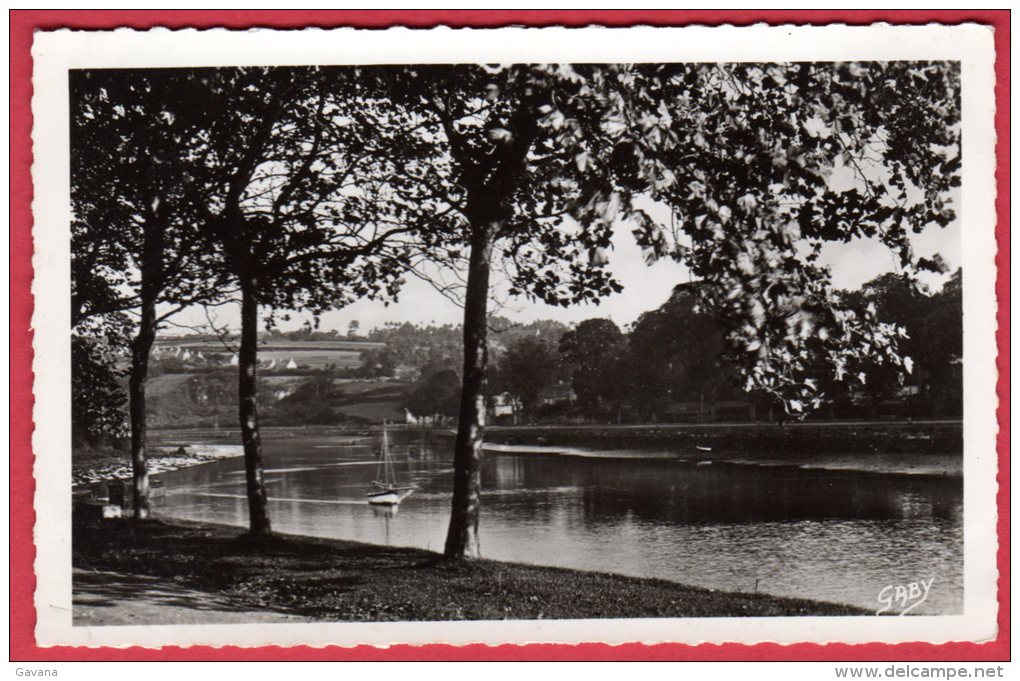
<point>688,350</point>
<point>97,391</point>
<point>504,179</point>
<point>931,341</point>
<point>896,299</point>
<point>352,328</point>
<point>436,392</point>
<point>296,204</point>
<point>593,349</point>
<point>941,351</point>
<point>535,165</point>
<point>761,165</point>
<point>132,234</point>
<point>529,367</point>
<point>311,402</point>
<point>375,363</point>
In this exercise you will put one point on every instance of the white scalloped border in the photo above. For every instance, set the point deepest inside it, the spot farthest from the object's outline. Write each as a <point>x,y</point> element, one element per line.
<point>54,52</point>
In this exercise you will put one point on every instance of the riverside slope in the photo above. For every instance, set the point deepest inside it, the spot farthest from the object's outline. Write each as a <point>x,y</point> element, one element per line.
<point>332,580</point>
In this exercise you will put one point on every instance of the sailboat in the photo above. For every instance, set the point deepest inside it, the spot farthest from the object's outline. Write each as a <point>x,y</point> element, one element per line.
<point>386,492</point>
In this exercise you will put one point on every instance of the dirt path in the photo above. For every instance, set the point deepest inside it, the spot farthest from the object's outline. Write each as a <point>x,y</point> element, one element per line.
<point>113,598</point>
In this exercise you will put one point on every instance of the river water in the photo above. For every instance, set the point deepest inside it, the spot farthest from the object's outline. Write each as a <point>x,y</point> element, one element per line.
<point>830,534</point>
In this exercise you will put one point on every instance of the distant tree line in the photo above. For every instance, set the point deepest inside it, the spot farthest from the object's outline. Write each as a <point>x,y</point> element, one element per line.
<point>678,354</point>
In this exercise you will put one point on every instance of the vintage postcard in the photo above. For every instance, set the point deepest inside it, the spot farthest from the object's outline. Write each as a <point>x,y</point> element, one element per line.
<point>350,337</point>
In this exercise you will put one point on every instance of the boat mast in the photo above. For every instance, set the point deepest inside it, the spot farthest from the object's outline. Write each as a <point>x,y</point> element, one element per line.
<point>390,476</point>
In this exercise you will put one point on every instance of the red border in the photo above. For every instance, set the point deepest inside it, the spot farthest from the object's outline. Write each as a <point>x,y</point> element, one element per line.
<point>22,618</point>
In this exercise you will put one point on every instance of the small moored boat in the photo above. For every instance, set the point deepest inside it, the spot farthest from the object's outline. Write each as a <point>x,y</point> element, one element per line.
<point>386,492</point>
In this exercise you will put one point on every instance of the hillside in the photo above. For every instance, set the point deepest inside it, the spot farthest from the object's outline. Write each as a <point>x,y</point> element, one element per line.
<point>274,355</point>
<point>210,399</point>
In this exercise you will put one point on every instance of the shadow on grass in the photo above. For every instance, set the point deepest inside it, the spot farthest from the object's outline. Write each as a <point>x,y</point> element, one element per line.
<point>340,580</point>
<point>106,590</point>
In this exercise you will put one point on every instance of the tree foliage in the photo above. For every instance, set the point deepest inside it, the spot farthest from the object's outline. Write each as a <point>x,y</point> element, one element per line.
<point>129,177</point>
<point>529,367</point>
<point>689,353</point>
<point>437,392</point>
<point>98,395</point>
<point>762,164</point>
<point>294,187</point>
<point>595,349</point>
<point>931,343</point>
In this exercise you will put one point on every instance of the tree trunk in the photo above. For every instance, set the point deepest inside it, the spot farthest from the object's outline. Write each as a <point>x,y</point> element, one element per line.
<point>140,350</point>
<point>247,363</point>
<point>153,245</point>
<point>462,537</point>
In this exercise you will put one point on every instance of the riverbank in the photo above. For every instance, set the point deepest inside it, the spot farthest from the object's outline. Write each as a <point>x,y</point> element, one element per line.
<point>334,580</point>
<point>896,447</point>
<point>857,437</point>
<point>108,465</point>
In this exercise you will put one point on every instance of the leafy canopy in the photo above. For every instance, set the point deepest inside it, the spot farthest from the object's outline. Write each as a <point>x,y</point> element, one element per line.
<point>129,187</point>
<point>759,165</point>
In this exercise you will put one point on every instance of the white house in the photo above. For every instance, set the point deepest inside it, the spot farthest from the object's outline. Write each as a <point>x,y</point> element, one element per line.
<point>505,404</point>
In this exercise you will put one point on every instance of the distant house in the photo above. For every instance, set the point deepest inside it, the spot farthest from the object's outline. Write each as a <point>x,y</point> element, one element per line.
<point>406,372</point>
<point>505,408</point>
<point>234,361</point>
<point>504,404</point>
<point>431,420</point>
<point>292,364</point>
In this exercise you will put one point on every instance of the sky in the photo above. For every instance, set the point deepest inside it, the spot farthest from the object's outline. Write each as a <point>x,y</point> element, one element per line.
<point>644,288</point>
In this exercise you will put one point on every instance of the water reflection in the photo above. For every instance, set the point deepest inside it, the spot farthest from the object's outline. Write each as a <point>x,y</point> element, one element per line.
<point>676,492</point>
<point>834,535</point>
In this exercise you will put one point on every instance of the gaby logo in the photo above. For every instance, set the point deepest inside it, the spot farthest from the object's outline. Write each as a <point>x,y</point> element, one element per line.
<point>906,597</point>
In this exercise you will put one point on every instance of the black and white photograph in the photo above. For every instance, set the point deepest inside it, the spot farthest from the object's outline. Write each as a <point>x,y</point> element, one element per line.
<point>683,342</point>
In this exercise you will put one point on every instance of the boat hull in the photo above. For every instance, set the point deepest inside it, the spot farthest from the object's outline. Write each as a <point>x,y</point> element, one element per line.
<point>387,498</point>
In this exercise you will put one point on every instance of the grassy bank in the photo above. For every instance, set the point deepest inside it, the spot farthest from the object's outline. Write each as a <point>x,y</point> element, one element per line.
<point>347,581</point>
<point>793,440</point>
